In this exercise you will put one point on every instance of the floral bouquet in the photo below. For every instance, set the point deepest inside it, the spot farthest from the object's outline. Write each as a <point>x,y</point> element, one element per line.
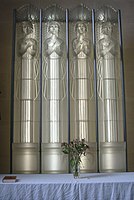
<point>75,149</point>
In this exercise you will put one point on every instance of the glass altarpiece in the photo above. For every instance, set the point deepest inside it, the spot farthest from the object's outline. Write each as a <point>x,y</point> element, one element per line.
<point>67,83</point>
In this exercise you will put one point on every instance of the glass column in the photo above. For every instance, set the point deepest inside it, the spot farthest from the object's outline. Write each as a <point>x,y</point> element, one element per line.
<point>82,99</point>
<point>112,156</point>
<point>26,114</point>
<point>54,87</point>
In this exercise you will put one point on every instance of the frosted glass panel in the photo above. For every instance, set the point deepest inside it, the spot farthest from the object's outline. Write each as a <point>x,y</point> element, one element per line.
<point>112,147</point>
<point>54,97</point>
<point>109,72</point>
<point>82,100</point>
<point>27,76</point>
<point>26,99</point>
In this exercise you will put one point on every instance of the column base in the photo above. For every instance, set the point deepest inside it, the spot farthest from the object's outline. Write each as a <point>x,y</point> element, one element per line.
<point>53,160</point>
<point>25,158</point>
<point>112,157</point>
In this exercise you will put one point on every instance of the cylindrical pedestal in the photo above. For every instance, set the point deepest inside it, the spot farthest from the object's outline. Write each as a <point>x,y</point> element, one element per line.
<point>112,157</point>
<point>53,160</point>
<point>25,158</point>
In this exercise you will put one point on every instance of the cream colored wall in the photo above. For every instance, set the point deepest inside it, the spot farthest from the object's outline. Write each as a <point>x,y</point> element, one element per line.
<point>127,8</point>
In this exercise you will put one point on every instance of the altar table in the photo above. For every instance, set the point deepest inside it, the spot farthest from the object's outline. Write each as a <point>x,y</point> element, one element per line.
<point>93,186</point>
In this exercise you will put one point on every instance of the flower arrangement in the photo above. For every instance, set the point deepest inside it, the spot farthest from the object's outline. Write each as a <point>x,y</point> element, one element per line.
<point>75,149</point>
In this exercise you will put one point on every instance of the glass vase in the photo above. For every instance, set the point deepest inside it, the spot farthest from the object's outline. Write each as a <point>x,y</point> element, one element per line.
<point>76,170</point>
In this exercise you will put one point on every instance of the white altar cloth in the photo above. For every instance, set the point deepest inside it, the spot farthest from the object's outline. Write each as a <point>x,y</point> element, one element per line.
<point>93,186</point>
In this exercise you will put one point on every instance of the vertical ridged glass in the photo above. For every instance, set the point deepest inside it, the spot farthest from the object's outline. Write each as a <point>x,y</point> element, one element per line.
<point>109,89</point>
<point>54,90</point>
<point>26,99</point>
<point>67,83</point>
<point>82,98</point>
